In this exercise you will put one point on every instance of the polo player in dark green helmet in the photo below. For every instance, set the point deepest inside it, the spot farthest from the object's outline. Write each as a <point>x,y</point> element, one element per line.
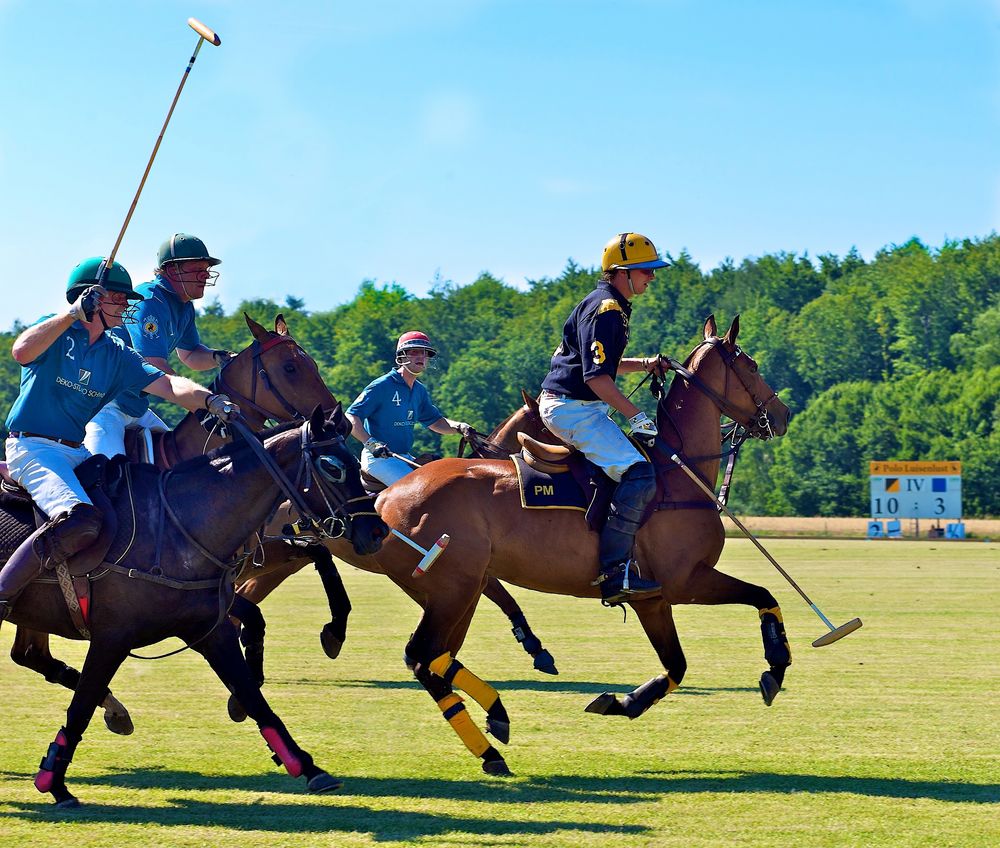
<point>165,323</point>
<point>72,365</point>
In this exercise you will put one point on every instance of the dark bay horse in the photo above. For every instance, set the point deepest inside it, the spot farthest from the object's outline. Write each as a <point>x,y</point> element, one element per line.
<point>171,568</point>
<point>272,378</point>
<point>478,503</point>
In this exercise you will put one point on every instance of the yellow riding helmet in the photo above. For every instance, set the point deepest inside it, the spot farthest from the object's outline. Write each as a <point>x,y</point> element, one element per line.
<point>630,250</point>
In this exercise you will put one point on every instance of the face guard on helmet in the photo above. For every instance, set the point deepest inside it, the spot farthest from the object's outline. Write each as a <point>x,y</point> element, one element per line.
<point>412,341</point>
<point>114,279</point>
<point>180,248</point>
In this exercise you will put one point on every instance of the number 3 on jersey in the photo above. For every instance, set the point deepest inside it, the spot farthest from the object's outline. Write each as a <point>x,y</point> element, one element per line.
<point>598,351</point>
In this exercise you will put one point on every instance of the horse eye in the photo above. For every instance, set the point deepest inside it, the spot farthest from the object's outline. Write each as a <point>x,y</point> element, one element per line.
<point>289,368</point>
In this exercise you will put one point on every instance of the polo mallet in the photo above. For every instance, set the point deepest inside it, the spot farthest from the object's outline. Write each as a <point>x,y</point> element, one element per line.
<point>827,638</point>
<point>204,34</point>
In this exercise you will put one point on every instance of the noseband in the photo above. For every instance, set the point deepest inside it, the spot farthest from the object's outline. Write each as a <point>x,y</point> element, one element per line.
<point>259,371</point>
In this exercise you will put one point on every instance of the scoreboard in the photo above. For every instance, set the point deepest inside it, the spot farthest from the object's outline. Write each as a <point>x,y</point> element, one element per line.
<point>916,489</point>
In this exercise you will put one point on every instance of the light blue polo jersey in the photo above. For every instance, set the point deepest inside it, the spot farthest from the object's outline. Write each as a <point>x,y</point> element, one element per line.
<point>164,323</point>
<point>390,410</point>
<point>68,385</point>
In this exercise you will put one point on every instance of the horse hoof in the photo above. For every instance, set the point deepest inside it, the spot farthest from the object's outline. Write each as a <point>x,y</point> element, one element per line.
<point>769,687</point>
<point>323,782</point>
<point>235,709</point>
<point>605,704</point>
<point>497,768</point>
<point>332,644</point>
<point>120,723</point>
<point>67,803</point>
<point>545,663</point>
<point>499,730</point>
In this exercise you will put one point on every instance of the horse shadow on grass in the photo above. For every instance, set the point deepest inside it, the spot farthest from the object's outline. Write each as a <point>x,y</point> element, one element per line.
<point>583,687</point>
<point>271,808</point>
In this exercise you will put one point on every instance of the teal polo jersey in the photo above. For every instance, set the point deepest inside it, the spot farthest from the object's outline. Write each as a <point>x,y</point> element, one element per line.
<point>163,323</point>
<point>70,382</point>
<point>391,409</point>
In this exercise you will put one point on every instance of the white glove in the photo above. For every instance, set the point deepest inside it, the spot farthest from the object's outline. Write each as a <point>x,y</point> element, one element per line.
<point>221,356</point>
<point>642,428</point>
<point>221,407</point>
<point>463,428</point>
<point>380,450</point>
<point>86,304</point>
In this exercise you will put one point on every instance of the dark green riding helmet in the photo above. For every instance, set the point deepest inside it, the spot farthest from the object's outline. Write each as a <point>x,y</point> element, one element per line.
<point>180,247</point>
<point>85,275</point>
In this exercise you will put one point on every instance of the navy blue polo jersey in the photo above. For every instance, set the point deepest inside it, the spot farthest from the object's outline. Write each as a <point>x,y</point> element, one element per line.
<point>593,343</point>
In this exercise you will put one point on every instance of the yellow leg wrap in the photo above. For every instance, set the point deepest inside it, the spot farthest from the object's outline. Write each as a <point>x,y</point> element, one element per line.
<point>671,684</point>
<point>440,665</point>
<point>775,611</point>
<point>480,691</point>
<point>461,722</point>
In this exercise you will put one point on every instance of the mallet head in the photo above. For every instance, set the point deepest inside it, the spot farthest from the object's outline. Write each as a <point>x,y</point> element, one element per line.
<point>838,633</point>
<point>204,31</point>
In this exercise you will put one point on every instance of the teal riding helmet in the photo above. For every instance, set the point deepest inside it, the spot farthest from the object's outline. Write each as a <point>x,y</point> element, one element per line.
<point>180,247</point>
<point>85,275</point>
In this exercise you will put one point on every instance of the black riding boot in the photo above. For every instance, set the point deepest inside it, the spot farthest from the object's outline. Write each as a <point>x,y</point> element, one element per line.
<point>619,577</point>
<point>55,541</point>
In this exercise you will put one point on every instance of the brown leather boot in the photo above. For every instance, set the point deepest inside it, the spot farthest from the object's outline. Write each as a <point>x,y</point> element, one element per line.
<point>56,540</point>
<point>68,533</point>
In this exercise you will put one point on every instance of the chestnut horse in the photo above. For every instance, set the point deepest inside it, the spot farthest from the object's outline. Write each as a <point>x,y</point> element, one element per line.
<point>272,378</point>
<point>478,503</point>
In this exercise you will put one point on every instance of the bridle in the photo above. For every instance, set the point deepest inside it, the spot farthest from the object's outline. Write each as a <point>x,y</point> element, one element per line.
<point>757,425</point>
<point>259,371</point>
<point>329,473</point>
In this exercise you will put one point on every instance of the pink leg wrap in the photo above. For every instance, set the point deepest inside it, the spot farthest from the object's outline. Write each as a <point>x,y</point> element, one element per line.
<point>46,777</point>
<point>274,741</point>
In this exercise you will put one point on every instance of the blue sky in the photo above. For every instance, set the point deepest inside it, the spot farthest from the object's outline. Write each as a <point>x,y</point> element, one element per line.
<point>325,143</point>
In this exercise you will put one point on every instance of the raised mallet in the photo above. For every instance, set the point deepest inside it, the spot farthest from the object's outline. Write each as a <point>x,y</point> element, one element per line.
<point>827,638</point>
<point>204,34</point>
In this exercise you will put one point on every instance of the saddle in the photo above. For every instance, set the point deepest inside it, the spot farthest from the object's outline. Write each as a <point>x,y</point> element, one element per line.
<point>552,467</point>
<point>100,477</point>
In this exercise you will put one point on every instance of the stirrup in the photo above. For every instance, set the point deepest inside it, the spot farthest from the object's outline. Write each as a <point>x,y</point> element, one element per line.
<point>618,583</point>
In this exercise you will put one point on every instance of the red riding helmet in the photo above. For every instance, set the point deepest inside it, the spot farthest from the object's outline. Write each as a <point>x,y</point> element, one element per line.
<point>414,340</point>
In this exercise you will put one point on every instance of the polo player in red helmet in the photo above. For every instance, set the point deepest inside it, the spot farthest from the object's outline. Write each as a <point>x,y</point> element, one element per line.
<point>386,412</point>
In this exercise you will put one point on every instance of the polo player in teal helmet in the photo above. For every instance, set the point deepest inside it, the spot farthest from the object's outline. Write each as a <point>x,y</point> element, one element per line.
<point>72,365</point>
<point>165,321</point>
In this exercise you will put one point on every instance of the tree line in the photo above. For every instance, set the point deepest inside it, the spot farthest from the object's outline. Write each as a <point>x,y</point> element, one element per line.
<point>893,359</point>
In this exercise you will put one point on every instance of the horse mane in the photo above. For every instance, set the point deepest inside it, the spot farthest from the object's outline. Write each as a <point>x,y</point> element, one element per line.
<point>229,452</point>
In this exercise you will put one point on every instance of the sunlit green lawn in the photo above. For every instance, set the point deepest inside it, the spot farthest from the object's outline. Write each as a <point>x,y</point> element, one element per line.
<point>890,737</point>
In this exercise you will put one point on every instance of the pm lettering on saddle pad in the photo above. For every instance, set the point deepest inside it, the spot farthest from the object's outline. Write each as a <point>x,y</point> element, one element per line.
<point>547,491</point>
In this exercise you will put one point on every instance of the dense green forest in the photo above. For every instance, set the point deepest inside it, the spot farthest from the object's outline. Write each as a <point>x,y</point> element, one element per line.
<point>897,358</point>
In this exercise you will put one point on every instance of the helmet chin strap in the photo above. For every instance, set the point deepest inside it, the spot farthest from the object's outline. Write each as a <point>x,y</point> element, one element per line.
<point>628,276</point>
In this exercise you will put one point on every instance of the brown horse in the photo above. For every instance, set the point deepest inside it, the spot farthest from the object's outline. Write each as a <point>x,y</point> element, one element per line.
<point>478,503</point>
<point>272,378</point>
<point>171,566</point>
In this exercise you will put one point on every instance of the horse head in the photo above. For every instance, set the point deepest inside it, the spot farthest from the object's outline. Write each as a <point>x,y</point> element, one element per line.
<point>502,441</point>
<point>273,378</point>
<point>747,399</point>
<point>339,504</point>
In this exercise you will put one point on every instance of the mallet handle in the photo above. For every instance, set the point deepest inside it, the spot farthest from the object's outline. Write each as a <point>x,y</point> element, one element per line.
<point>675,458</point>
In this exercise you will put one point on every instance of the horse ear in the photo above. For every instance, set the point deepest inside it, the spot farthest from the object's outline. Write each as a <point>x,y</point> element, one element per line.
<point>280,327</point>
<point>711,328</point>
<point>341,423</point>
<point>733,331</point>
<point>316,421</point>
<point>258,331</point>
<point>529,401</point>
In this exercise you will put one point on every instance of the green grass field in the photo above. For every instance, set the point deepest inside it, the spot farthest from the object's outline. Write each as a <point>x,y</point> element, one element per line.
<point>890,737</point>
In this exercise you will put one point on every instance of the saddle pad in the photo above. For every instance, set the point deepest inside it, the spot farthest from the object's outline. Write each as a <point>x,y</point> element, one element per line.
<point>17,522</point>
<point>547,491</point>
